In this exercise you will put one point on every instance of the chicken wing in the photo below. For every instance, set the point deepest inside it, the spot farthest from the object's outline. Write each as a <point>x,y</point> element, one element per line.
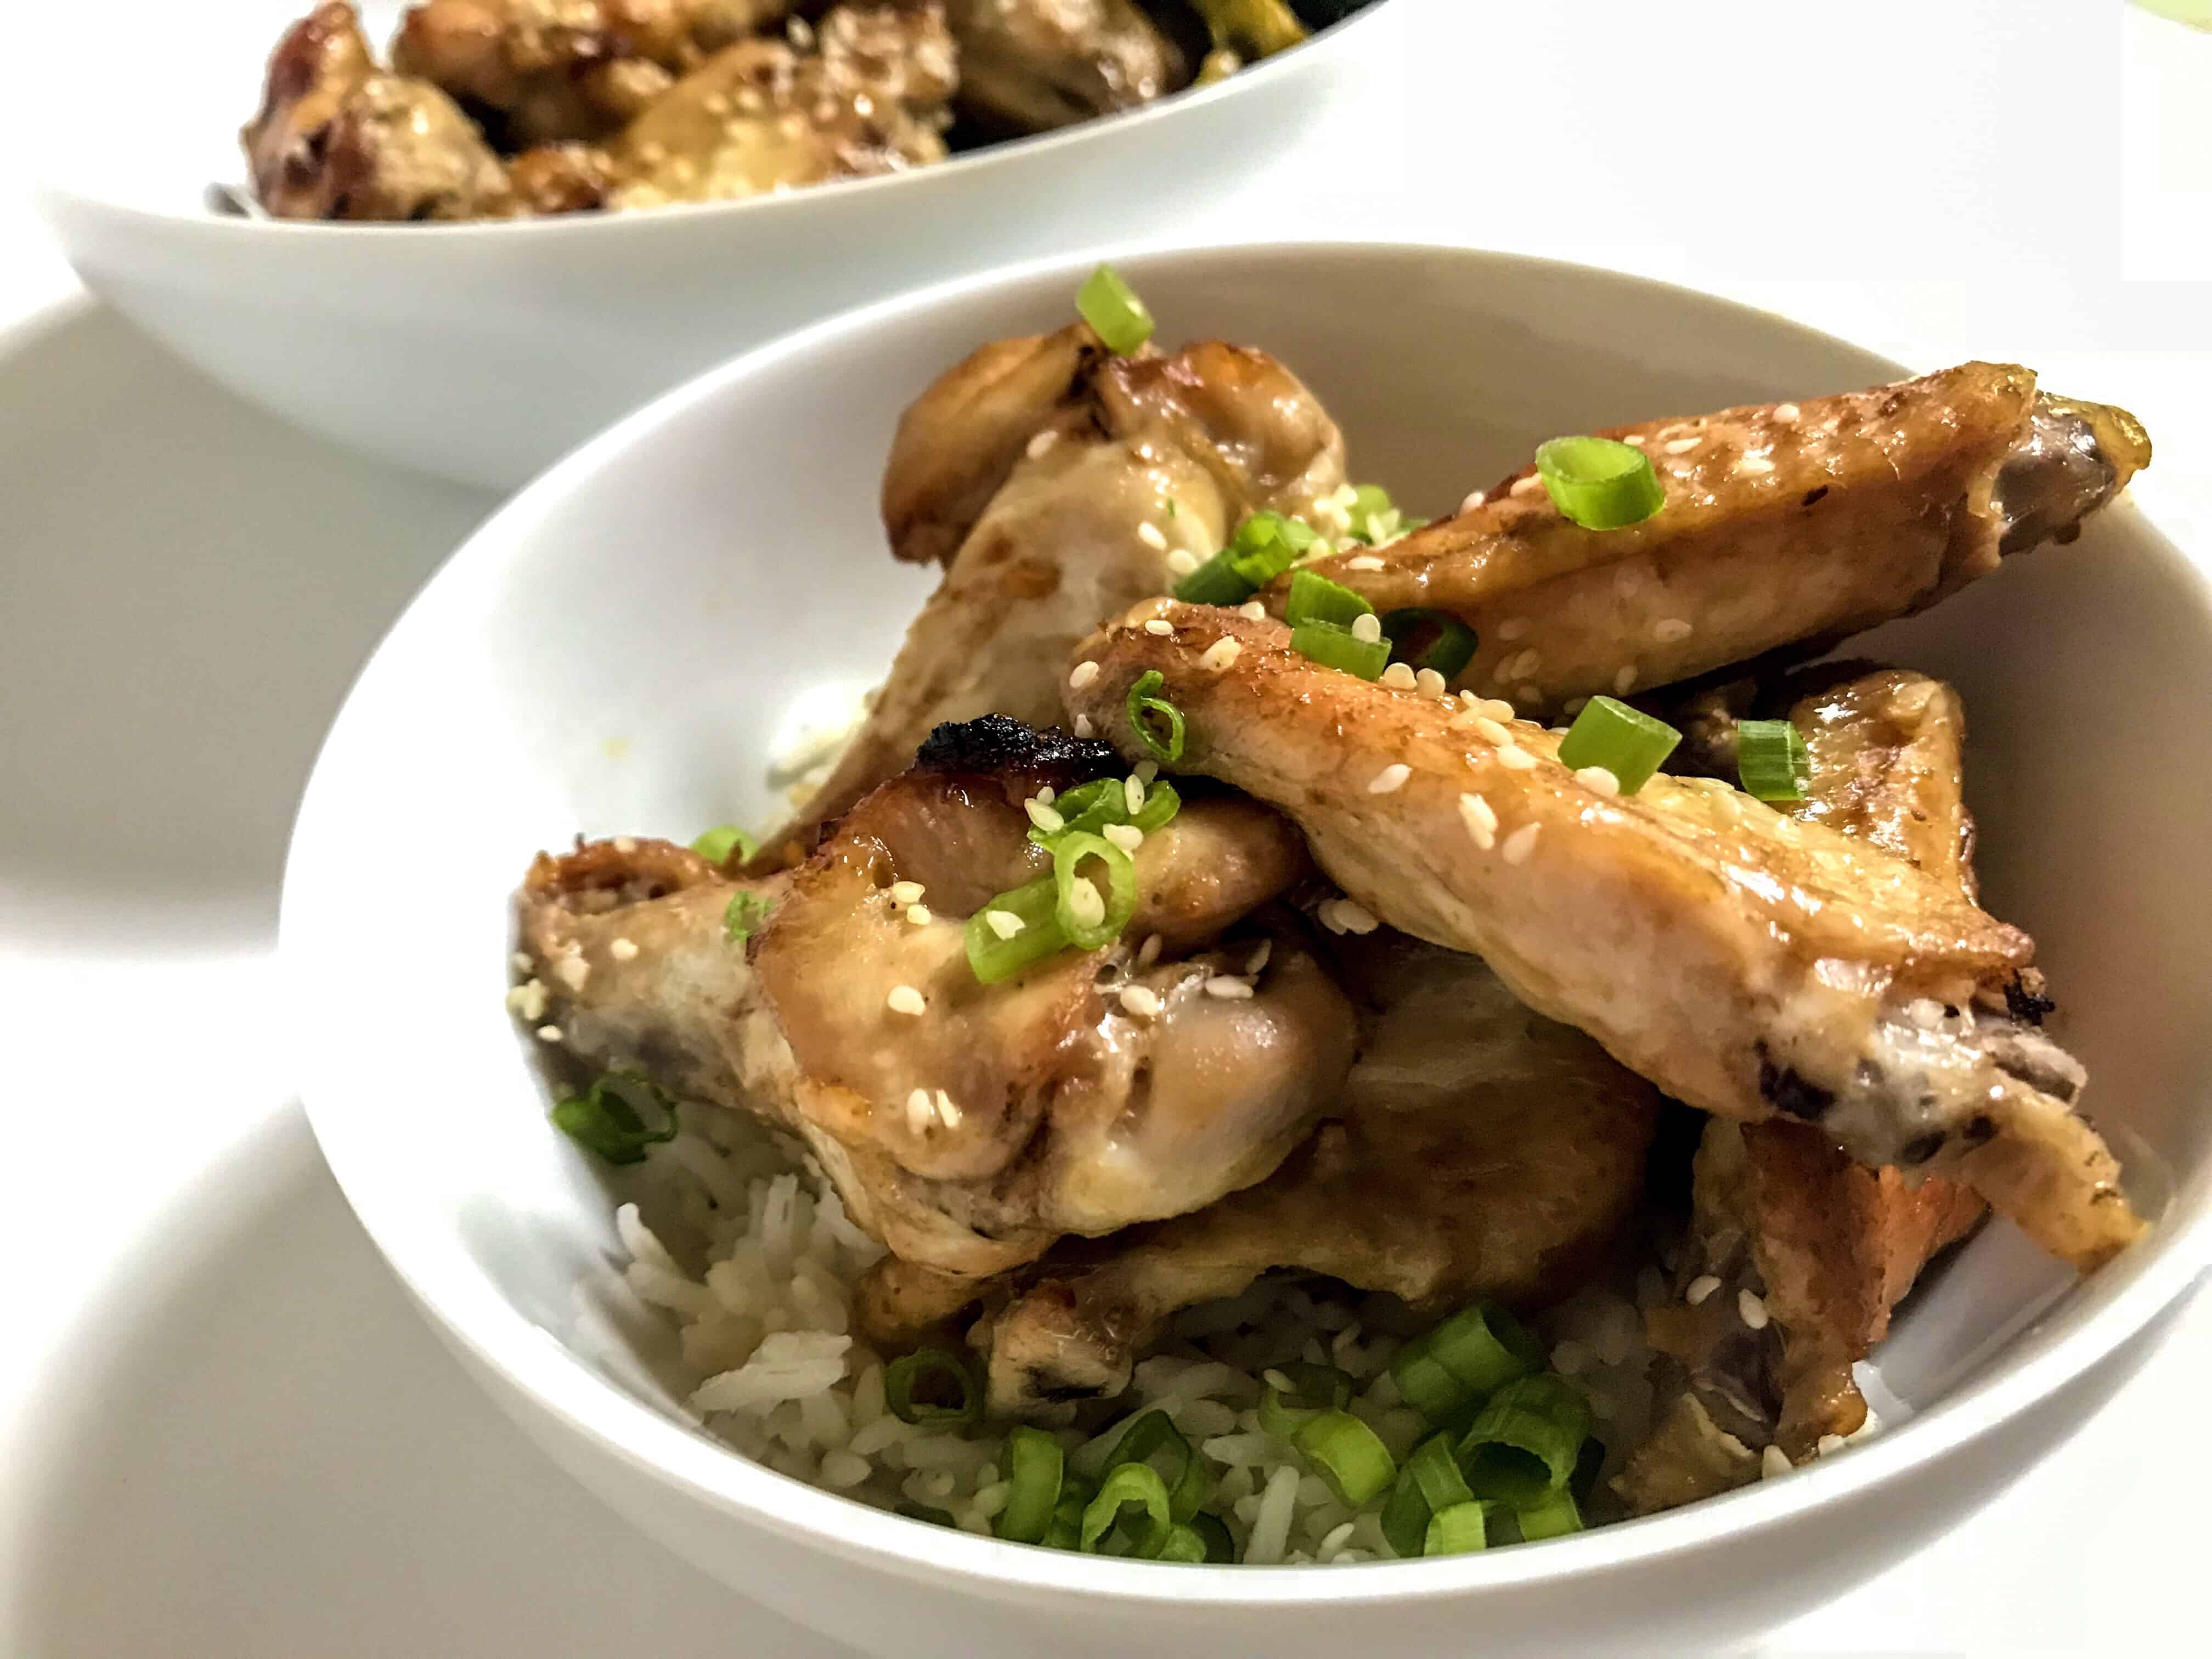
<point>1788,526</point>
<point>1746,963</point>
<point>1097,1090</point>
<point>1046,462</point>
<point>1032,65</point>
<point>1483,1150</point>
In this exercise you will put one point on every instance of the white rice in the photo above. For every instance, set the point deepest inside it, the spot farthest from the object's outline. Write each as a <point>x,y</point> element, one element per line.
<point>752,1257</point>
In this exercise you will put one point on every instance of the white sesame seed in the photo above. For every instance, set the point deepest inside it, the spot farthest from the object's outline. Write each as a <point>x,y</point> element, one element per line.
<point>1787,414</point>
<point>1258,959</point>
<point>1004,923</point>
<point>920,914</point>
<point>1253,610</point>
<point>1127,836</point>
<point>1681,445</point>
<point>1391,779</point>
<point>1149,951</point>
<point>623,949</point>
<point>1521,844</point>
<point>908,892</point>
<point>1429,683</point>
<point>1530,694</point>
<point>1152,537</point>
<point>947,1113</point>
<point>1140,1001</point>
<point>624,844</point>
<point>1182,562</point>
<point>1399,677</point>
<point>1511,628</point>
<point>521,962</point>
<point>1625,681</point>
<point>1367,627</point>
<point>1773,1462</point>
<point>572,970</point>
<point>1514,758</point>
<point>1048,794</point>
<point>1750,1309</point>
<point>1085,673</point>
<point>1364,562</point>
<point>1575,705</point>
<point>1635,440</point>
<point>1084,728</point>
<point>1491,707</point>
<point>1828,1445</point>
<point>1481,821</point>
<point>528,1000</point>
<point>905,999</point>
<point>1527,486</point>
<point>1086,905</point>
<point>1700,1287</point>
<point>1354,917</point>
<point>1228,989</point>
<point>1132,795</point>
<point>1599,779</point>
<point>1669,630</point>
<point>1462,720</point>
<point>1159,628</point>
<point>549,1033</point>
<point>1044,817</point>
<point>1475,498</point>
<point>1222,652</point>
<point>918,1111</point>
<point>1755,465</point>
<point>1043,441</point>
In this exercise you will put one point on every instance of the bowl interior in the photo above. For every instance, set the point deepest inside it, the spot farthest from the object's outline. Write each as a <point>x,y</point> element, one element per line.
<point>626,647</point>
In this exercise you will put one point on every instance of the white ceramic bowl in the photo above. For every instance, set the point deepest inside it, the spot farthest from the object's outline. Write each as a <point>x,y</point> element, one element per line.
<point>480,352</point>
<point>617,649</point>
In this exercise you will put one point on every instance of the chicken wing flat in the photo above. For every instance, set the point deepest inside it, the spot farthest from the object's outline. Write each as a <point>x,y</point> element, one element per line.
<point>966,1126</point>
<point>1747,964</point>
<point>1791,525</point>
<point>1045,461</point>
<point>1032,65</point>
<point>1483,1150</point>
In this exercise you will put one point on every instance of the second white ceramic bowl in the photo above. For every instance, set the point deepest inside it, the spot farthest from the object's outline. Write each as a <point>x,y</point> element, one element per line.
<point>624,646</point>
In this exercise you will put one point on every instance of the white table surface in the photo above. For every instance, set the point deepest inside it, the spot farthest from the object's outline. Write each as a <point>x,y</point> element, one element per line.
<point>224,1433</point>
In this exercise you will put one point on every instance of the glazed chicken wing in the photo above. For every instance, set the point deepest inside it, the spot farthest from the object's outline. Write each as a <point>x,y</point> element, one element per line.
<point>1747,963</point>
<point>1793,525</point>
<point>1482,1150</point>
<point>1045,462</point>
<point>1031,65</point>
<point>966,1126</point>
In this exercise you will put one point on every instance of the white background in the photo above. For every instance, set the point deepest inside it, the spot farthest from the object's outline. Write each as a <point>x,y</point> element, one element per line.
<point>222,1429</point>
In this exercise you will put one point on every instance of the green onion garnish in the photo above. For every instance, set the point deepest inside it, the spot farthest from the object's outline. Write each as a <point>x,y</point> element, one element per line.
<point>1087,920</point>
<point>1485,1348</point>
<point>1600,484</point>
<point>1449,649</point>
<point>1034,907</point>
<point>1370,503</point>
<point>1215,582</point>
<point>1348,1456</point>
<point>1153,1440</point>
<point>1627,742</point>
<point>1075,1496</point>
<point>1039,1468</point>
<point>1313,598</point>
<point>1314,1389</point>
<point>1425,1384</point>
<point>610,1117</point>
<point>1406,1516</point>
<point>933,1366</point>
<point>1112,308</point>
<point>1088,808</point>
<point>1144,706</point>
<point>1523,1444</point>
<point>1332,647</point>
<point>718,843</point>
<point>1265,545</point>
<point>1551,1516</point>
<point>1184,1544</point>
<point>1435,1469</point>
<point>1128,1483</point>
<point>1771,761</point>
<point>1220,1542</point>
<point>1460,1531</point>
<point>744,914</point>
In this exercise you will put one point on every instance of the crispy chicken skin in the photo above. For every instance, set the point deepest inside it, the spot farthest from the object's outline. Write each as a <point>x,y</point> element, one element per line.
<point>1483,1150</point>
<point>1744,963</point>
<point>1032,65</point>
<point>1791,525</point>
<point>336,139</point>
<point>968,1138</point>
<point>1048,526</point>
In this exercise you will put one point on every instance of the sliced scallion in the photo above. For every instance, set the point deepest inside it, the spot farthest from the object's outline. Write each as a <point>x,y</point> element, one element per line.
<point>1039,935</point>
<point>1460,1531</point>
<point>1406,1516</point>
<point>1313,598</point>
<point>1373,514</point>
<point>1184,1543</point>
<point>1267,544</point>
<point>1553,1516</point>
<point>1144,709</point>
<point>1627,742</point>
<point>940,1370</point>
<point>1435,1468</point>
<point>1089,808</point>
<point>1075,1496</point>
<point>1598,483</point>
<point>718,843</point>
<point>1217,581</point>
<point>1314,1389</point>
<point>1485,1348</point>
<point>1333,647</point>
<point>611,1117</point>
<point>1430,639</point>
<point>1114,313</point>
<point>1523,1442</point>
<point>1038,1468</point>
<point>1128,1483</point>
<point>1771,761</point>
<point>1348,1456</point>
<point>1088,919</point>
<point>1425,1384</point>
<point>742,916</point>
<point>1220,1542</point>
<point>1153,1439</point>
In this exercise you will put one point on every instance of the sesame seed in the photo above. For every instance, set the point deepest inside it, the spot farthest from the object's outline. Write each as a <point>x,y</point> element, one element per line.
<point>1635,440</point>
<point>1152,537</point>
<point>1391,779</point>
<point>1399,677</point>
<point>1599,779</point>
<point>1159,628</point>
<point>1750,1309</point>
<point>1228,989</point>
<point>1149,951</point>
<point>624,844</point>
<point>1258,959</point>
<point>1511,628</point>
<point>1085,673</point>
<point>919,914</point>
<point>1044,817</point>
<point>1787,414</point>
<point>1576,705</point>
<point>572,970</point>
<point>1492,729</point>
<point>905,999</point>
<point>528,1000</point>
<point>1624,682</point>
<point>1681,445</point>
<point>947,1113</point>
<point>1253,610</point>
<point>1755,465</point>
<point>1481,821</point>
<point>1354,917</point>
<point>1132,795</point>
<point>1182,562</point>
<point>1127,836</point>
<point>1004,923</point>
<point>1773,1462</point>
<point>1461,722</point>
<point>1521,844</point>
<point>1491,707</point>
<point>1048,794</point>
<point>918,1112</point>
<point>1085,904</point>
<point>1514,758</point>
<point>1700,1287</point>
<point>1083,727</point>
<point>522,962</point>
<point>1367,627</point>
<point>1429,682</point>
<point>1475,498</point>
<point>1521,667</point>
<point>908,892</point>
<point>1527,486</point>
<point>1140,1001</point>
<point>549,1033</point>
<point>1364,562</point>
<point>1043,441</point>
<point>1530,694</point>
<point>1222,652</point>
<point>623,949</point>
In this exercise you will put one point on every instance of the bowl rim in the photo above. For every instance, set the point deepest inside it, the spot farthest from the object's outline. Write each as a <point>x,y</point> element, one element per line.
<point>52,191</point>
<point>514,1351</point>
